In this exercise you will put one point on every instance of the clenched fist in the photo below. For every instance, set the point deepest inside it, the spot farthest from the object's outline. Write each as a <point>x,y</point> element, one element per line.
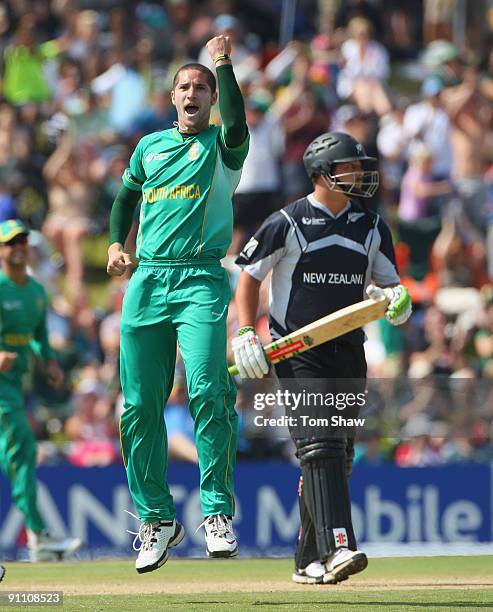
<point>118,261</point>
<point>7,360</point>
<point>219,45</point>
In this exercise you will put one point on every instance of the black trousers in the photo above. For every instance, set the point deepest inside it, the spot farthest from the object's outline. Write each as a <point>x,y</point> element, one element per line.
<point>337,366</point>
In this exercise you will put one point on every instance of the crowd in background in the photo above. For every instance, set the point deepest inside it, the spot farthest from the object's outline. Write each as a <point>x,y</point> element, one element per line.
<point>82,82</point>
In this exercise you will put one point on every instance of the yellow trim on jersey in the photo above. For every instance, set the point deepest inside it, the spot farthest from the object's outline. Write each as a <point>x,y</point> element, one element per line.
<point>121,442</point>
<point>138,240</point>
<point>231,494</point>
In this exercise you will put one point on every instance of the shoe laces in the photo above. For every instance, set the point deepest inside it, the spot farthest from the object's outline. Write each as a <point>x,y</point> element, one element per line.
<point>144,538</point>
<point>217,524</point>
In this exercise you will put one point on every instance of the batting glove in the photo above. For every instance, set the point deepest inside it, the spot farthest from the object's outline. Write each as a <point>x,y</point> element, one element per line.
<point>249,355</point>
<point>400,306</point>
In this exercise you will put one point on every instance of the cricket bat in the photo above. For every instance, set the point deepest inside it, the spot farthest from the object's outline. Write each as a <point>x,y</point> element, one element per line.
<point>327,328</point>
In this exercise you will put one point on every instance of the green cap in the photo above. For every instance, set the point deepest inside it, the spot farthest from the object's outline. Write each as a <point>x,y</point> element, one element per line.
<point>12,228</point>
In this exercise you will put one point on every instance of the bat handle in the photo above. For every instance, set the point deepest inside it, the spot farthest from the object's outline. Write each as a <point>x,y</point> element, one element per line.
<point>233,370</point>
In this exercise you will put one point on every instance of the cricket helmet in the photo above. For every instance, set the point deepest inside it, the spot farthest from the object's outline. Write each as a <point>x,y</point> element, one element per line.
<point>337,147</point>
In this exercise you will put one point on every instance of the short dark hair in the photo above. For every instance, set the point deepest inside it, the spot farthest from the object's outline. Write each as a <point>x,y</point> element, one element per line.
<point>211,79</point>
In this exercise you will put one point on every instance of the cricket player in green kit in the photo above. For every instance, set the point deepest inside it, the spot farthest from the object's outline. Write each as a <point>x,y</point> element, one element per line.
<point>186,177</point>
<point>23,304</point>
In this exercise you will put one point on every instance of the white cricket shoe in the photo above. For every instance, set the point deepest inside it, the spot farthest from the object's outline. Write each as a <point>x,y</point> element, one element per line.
<point>45,547</point>
<point>313,573</point>
<point>155,540</point>
<point>342,564</point>
<point>220,539</point>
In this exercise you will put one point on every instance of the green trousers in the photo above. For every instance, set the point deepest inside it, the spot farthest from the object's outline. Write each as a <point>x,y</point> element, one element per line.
<point>163,305</point>
<point>18,462</point>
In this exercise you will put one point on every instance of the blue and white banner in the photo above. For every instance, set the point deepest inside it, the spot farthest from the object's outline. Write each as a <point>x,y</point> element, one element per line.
<point>391,506</point>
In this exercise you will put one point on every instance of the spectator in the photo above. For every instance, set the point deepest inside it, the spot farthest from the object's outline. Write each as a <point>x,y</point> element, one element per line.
<point>418,450</point>
<point>483,452</point>
<point>303,116</point>
<point>427,122</point>
<point>457,449</point>
<point>257,194</point>
<point>418,188</point>
<point>486,82</point>
<point>127,91</point>
<point>369,451</point>
<point>349,118</point>
<point>156,116</point>
<point>365,69</point>
<point>24,79</point>
<point>458,260</point>
<point>69,97</point>
<point>84,35</point>
<point>42,265</point>
<point>470,116</point>
<point>109,339</point>
<point>483,342</point>
<point>25,177</point>
<point>392,145</point>
<point>435,354</point>
<point>442,59</point>
<point>91,429</point>
<point>362,9</point>
<point>68,219</point>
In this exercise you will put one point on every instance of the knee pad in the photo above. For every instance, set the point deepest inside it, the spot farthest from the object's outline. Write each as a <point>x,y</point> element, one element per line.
<point>309,449</point>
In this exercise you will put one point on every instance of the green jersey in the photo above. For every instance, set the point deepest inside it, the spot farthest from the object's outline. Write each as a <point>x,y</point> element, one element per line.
<point>22,329</point>
<point>187,183</point>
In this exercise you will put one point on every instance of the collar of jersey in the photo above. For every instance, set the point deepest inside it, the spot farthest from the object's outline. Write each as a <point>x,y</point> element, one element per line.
<point>12,282</point>
<point>316,204</point>
<point>181,136</point>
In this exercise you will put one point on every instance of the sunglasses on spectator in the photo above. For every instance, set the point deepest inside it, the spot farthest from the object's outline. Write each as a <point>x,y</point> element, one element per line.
<point>20,239</point>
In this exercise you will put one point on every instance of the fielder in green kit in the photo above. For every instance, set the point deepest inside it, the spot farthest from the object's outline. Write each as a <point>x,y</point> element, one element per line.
<point>186,177</point>
<point>23,305</point>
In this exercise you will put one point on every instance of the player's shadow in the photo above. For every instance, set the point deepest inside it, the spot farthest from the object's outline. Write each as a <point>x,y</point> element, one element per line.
<point>469,605</point>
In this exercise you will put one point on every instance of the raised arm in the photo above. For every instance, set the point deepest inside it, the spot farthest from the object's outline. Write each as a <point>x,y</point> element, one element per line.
<point>231,104</point>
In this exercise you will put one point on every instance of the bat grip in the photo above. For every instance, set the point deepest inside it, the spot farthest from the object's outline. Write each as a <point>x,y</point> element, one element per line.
<point>233,370</point>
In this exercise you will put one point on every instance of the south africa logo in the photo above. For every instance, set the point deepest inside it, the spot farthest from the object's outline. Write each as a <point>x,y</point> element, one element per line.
<point>194,151</point>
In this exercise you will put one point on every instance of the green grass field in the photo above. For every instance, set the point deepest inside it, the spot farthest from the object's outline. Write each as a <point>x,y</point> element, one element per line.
<point>426,583</point>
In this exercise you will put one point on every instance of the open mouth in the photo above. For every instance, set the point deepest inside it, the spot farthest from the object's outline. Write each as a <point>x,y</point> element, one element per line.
<point>191,110</point>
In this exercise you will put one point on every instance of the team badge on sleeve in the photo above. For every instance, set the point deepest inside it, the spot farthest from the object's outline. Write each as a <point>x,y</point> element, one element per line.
<point>249,248</point>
